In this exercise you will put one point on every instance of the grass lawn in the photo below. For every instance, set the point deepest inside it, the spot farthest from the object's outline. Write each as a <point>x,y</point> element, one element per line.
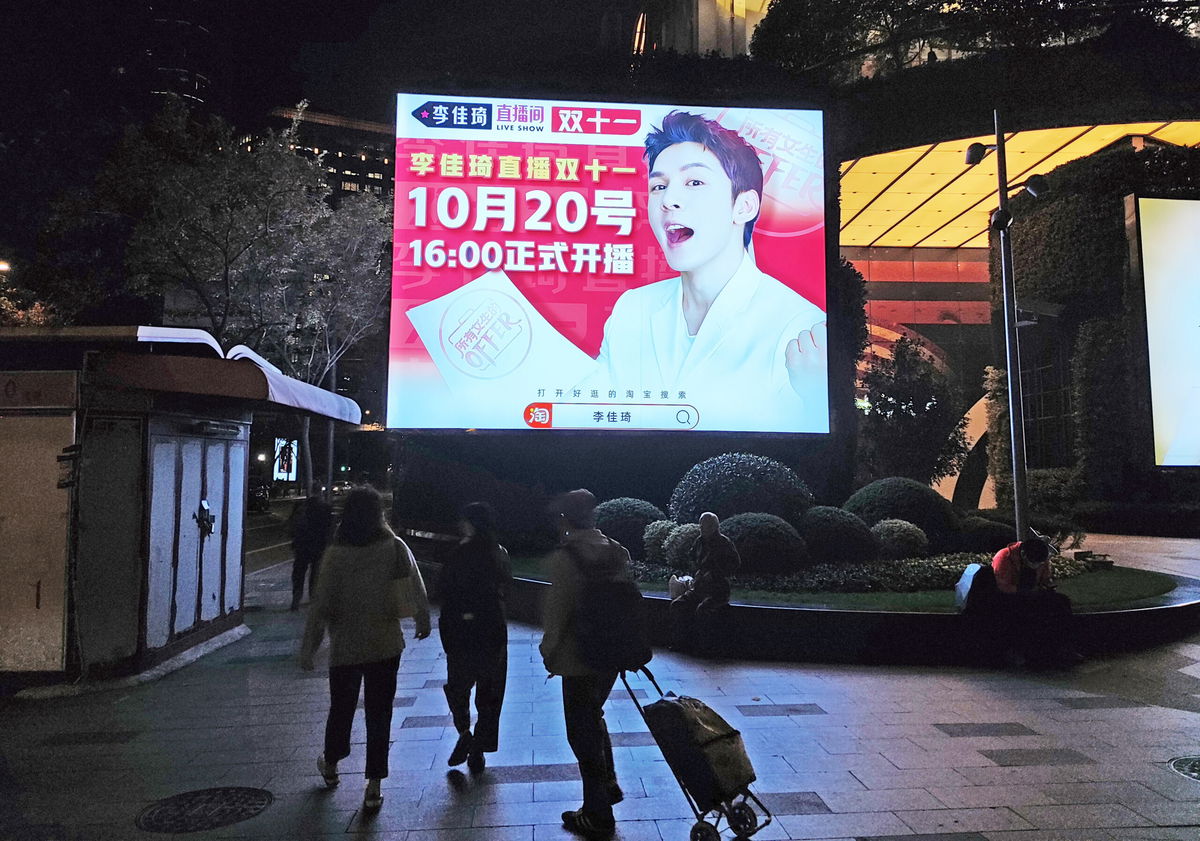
<point>1091,591</point>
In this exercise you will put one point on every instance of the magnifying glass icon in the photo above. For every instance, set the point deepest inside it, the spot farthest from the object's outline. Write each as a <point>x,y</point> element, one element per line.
<point>683,416</point>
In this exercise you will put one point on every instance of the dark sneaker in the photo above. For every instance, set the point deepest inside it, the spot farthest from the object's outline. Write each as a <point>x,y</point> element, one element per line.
<point>588,826</point>
<point>462,748</point>
<point>476,762</point>
<point>372,797</point>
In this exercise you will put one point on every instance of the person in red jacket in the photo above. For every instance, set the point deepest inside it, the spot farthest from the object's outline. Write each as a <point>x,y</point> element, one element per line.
<point>1041,617</point>
<point>1023,566</point>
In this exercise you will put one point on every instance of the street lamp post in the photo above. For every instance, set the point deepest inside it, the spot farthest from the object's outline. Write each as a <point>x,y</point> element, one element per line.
<point>1000,222</point>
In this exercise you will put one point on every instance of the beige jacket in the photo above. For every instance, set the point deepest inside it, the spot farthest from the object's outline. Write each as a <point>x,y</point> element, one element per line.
<point>604,558</point>
<point>359,601</point>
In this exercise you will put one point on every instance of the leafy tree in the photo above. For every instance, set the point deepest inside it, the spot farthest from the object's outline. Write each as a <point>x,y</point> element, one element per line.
<point>233,234</point>
<point>804,35</point>
<point>913,426</point>
<point>19,307</point>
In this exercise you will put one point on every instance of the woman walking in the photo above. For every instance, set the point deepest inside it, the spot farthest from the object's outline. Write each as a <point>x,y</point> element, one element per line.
<point>474,582</point>
<point>368,581</point>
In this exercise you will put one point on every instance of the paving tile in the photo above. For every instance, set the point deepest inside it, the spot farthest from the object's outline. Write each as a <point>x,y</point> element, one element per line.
<point>969,797</point>
<point>97,737</point>
<point>999,728</point>
<point>856,825</point>
<point>963,820</point>
<point>1037,756</point>
<point>1097,815</point>
<point>795,803</point>
<point>881,800</point>
<point>636,739</point>
<point>757,710</point>
<point>940,836</point>
<point>1099,703</point>
<point>427,721</point>
<point>1170,813</point>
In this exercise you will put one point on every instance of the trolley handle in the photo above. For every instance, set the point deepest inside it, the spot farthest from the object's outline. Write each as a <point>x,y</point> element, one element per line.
<point>645,670</point>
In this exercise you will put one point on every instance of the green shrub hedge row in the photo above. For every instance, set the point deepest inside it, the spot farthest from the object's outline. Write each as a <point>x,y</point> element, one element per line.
<point>938,572</point>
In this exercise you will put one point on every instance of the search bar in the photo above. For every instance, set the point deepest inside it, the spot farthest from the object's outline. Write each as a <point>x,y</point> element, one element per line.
<point>640,416</point>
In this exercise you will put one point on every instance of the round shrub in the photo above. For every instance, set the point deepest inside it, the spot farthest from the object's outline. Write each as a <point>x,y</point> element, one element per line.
<point>737,483</point>
<point>677,547</point>
<point>653,538</point>
<point>896,498</point>
<point>900,539</point>
<point>834,535</point>
<point>980,534</point>
<point>766,543</point>
<point>624,519</point>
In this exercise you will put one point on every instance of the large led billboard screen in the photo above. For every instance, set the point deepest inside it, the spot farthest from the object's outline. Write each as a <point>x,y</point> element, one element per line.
<point>607,266</point>
<point>1170,256</point>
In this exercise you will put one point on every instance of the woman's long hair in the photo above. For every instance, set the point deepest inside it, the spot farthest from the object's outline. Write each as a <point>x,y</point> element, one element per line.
<point>482,518</point>
<point>362,518</point>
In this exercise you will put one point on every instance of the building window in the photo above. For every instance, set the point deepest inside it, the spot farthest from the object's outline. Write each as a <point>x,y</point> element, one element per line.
<point>350,187</point>
<point>374,175</point>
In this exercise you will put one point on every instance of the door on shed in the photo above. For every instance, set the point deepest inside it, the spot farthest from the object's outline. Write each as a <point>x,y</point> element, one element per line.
<point>193,549</point>
<point>34,527</point>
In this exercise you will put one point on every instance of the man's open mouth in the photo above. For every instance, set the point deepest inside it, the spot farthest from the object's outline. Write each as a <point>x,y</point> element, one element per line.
<point>677,234</point>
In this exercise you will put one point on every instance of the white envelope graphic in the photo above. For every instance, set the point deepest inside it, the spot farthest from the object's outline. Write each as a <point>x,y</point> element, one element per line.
<point>486,336</point>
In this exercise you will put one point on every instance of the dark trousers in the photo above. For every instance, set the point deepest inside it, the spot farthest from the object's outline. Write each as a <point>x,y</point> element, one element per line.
<point>1042,623</point>
<point>692,614</point>
<point>484,667</point>
<point>378,680</point>
<point>305,561</point>
<point>587,734</point>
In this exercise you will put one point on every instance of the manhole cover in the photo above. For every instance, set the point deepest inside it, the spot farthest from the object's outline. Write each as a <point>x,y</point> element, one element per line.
<point>209,808</point>
<point>1189,766</point>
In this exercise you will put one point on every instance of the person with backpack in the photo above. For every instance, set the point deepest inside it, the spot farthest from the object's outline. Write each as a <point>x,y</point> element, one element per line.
<point>475,578</point>
<point>583,646</point>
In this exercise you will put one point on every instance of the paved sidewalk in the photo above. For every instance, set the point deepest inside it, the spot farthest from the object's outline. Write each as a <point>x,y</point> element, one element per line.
<point>842,752</point>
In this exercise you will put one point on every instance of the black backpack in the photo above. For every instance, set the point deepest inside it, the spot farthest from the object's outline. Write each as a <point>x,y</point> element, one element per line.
<point>610,624</point>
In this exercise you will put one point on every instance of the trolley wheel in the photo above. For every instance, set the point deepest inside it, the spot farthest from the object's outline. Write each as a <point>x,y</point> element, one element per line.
<point>742,819</point>
<point>704,831</point>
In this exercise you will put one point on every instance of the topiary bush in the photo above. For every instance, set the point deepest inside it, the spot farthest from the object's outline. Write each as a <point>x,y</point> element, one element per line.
<point>737,483</point>
<point>834,535</point>
<point>900,539</point>
<point>979,534</point>
<point>653,537</point>
<point>624,519</point>
<point>767,544</point>
<point>896,498</point>
<point>677,547</point>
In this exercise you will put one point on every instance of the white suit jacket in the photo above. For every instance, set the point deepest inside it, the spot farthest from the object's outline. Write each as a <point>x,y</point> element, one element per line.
<point>734,368</point>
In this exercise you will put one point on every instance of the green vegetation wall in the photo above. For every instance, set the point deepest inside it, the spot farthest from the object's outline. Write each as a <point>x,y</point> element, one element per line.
<point>1071,248</point>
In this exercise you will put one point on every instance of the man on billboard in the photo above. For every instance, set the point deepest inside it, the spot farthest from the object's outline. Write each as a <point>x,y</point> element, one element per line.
<point>722,329</point>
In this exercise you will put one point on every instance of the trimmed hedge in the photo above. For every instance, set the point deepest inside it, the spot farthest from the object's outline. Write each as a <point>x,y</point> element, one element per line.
<point>678,546</point>
<point>765,543</point>
<point>900,539</point>
<point>653,537</point>
<point>896,498</point>
<point>979,534</point>
<point>624,519</point>
<point>938,572</point>
<point>834,535</point>
<point>738,483</point>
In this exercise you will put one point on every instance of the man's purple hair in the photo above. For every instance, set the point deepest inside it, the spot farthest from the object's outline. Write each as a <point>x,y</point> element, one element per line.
<point>737,157</point>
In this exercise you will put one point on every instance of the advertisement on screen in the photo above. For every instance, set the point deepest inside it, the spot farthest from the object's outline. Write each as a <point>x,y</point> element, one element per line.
<point>607,266</point>
<point>1170,255</point>
<point>285,460</point>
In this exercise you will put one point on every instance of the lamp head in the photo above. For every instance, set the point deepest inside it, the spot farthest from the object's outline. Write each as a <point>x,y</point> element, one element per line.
<point>1036,185</point>
<point>975,153</point>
